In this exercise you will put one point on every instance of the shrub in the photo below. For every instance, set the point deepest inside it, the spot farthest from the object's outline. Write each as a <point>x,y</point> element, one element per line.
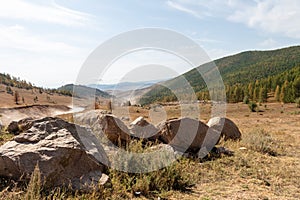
<point>172,177</point>
<point>262,142</point>
<point>246,100</point>
<point>252,106</point>
<point>297,101</point>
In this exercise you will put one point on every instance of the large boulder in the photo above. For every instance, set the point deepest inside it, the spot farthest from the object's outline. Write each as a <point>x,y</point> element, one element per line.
<point>114,129</point>
<point>228,128</point>
<point>187,135</point>
<point>140,128</point>
<point>107,127</point>
<point>67,155</point>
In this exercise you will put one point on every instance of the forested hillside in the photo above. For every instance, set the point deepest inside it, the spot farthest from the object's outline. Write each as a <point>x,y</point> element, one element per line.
<point>11,81</point>
<point>247,76</point>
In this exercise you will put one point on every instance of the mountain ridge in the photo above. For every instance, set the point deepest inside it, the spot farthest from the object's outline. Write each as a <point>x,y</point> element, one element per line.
<point>242,68</point>
<point>84,91</point>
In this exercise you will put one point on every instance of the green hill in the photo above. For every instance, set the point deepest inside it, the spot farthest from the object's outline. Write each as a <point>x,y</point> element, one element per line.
<point>259,70</point>
<point>84,91</point>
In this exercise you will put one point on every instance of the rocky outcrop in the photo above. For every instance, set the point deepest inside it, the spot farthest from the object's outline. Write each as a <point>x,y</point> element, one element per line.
<point>67,155</point>
<point>228,128</point>
<point>73,155</point>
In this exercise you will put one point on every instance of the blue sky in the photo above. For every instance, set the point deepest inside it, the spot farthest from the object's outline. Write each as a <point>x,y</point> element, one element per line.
<point>46,42</point>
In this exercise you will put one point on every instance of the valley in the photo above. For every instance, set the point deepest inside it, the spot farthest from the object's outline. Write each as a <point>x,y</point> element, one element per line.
<point>262,164</point>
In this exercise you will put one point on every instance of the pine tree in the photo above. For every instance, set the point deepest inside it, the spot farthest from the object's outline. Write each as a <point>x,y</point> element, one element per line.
<point>250,91</point>
<point>256,93</point>
<point>109,106</point>
<point>277,93</point>
<point>17,97</point>
<point>286,94</point>
<point>263,95</point>
<point>238,94</point>
<point>296,86</point>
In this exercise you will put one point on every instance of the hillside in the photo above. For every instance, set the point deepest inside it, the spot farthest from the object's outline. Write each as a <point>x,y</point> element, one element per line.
<point>30,97</point>
<point>240,70</point>
<point>15,92</point>
<point>84,91</point>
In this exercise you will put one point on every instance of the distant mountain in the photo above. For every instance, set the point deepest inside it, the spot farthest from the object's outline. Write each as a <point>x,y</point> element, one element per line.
<point>84,91</point>
<point>240,69</point>
<point>125,86</point>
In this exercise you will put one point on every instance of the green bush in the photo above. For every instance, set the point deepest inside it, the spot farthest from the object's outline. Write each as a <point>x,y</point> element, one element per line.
<point>246,100</point>
<point>297,101</point>
<point>252,106</point>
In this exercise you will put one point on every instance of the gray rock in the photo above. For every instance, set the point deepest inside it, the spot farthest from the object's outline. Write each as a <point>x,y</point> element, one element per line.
<point>125,118</point>
<point>66,155</point>
<point>140,128</point>
<point>114,129</point>
<point>110,129</point>
<point>186,135</point>
<point>229,129</point>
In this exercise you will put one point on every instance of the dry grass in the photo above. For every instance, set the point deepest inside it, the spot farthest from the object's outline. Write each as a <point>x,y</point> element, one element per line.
<point>5,136</point>
<point>265,164</point>
<point>7,100</point>
<point>252,173</point>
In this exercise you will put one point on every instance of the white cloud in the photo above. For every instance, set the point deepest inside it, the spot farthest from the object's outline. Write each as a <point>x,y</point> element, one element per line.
<point>182,8</point>
<point>270,16</point>
<point>200,9</point>
<point>51,13</point>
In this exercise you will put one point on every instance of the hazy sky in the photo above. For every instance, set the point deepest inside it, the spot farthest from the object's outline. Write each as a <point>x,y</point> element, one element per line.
<point>46,42</point>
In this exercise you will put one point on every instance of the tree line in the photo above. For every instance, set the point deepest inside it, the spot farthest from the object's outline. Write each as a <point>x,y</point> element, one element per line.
<point>284,87</point>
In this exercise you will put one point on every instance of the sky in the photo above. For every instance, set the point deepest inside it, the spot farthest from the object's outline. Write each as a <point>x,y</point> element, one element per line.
<point>46,42</point>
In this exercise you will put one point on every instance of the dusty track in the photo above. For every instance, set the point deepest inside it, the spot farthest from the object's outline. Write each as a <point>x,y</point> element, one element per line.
<point>34,111</point>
